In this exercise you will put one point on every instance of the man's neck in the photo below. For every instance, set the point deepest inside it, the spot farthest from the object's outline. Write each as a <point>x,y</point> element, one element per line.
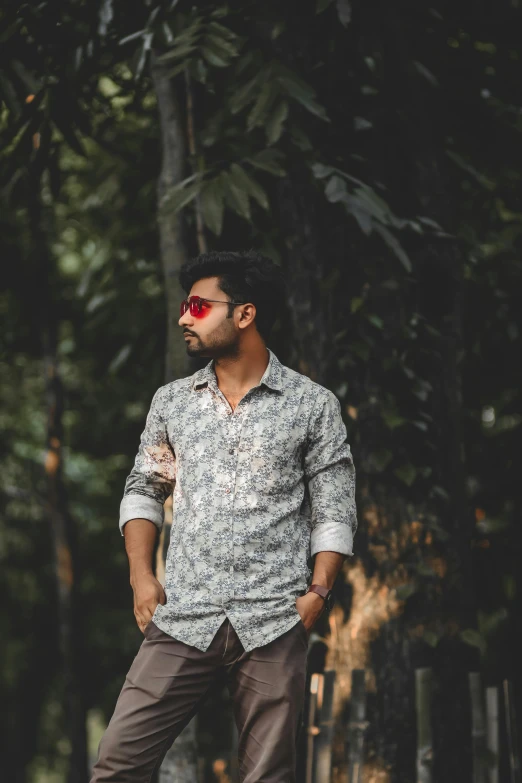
<point>239,374</point>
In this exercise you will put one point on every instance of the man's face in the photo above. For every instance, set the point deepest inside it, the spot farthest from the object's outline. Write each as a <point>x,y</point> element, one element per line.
<point>211,333</point>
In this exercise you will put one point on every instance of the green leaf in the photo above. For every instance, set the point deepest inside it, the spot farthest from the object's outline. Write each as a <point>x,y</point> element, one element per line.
<point>380,459</point>
<point>274,126</point>
<point>131,37</point>
<point>268,160</point>
<point>181,52</point>
<point>33,85</point>
<point>424,570</point>
<point>222,31</point>
<point>243,181</point>
<point>300,139</point>
<point>426,73</point>
<point>374,204</point>
<point>236,198</point>
<point>199,71</point>
<point>172,72</point>
<point>393,420</point>
<point>214,59</point>
<point>120,358</point>
<point>375,320</point>
<point>356,303</point>
<point>8,94</point>
<point>262,106</point>
<point>221,47</point>
<point>152,17</point>
<point>490,525</point>
<point>406,473</point>
<point>68,131</point>
<point>474,638</point>
<point>344,12</point>
<point>403,592</point>
<point>320,171</point>
<point>179,196</point>
<point>431,638</point>
<point>142,55</point>
<point>481,178</point>
<point>305,95</point>
<point>212,205</point>
<point>242,97</point>
<point>277,29</point>
<point>10,30</point>
<point>394,245</point>
<point>167,33</point>
<point>335,189</point>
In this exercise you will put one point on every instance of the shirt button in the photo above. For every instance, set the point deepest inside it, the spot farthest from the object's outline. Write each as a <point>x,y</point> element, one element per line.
<point>227,491</point>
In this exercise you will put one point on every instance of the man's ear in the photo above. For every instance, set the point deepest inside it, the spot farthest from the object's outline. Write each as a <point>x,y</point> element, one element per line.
<point>248,314</point>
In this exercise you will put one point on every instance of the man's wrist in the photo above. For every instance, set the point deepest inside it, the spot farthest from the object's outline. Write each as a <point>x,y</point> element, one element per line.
<point>323,593</point>
<point>140,572</point>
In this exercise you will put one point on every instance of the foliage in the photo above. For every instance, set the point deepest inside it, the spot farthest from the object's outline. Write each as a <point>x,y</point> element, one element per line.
<point>404,135</point>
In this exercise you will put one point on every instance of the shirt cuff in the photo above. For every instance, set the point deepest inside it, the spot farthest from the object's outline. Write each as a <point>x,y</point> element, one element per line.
<point>331,537</point>
<point>135,506</point>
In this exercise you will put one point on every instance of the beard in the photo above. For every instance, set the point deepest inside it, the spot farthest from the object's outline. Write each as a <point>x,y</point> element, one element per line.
<point>223,341</point>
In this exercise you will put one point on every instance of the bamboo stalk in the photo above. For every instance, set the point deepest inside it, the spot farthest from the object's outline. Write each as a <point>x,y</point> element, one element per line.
<point>323,744</point>
<point>478,728</point>
<point>423,691</point>
<point>357,727</point>
<point>315,685</point>
<point>492,698</point>
<point>511,730</point>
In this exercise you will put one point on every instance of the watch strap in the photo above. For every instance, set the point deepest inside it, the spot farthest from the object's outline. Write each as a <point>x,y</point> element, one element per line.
<point>320,590</point>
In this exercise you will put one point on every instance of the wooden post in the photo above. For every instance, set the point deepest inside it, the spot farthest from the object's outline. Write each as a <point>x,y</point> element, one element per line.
<point>234,761</point>
<point>492,733</point>
<point>511,729</point>
<point>357,727</point>
<point>323,743</point>
<point>423,688</point>
<point>478,728</point>
<point>315,684</point>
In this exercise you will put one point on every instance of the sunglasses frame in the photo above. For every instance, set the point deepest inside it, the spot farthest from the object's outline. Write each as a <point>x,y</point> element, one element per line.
<point>198,302</point>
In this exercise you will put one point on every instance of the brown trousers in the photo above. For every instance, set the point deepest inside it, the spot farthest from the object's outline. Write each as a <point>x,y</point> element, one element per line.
<point>169,680</point>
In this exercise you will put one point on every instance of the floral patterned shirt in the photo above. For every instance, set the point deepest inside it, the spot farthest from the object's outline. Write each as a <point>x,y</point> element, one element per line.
<point>257,492</point>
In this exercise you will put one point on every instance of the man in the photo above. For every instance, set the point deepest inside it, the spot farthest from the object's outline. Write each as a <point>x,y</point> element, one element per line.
<point>263,482</point>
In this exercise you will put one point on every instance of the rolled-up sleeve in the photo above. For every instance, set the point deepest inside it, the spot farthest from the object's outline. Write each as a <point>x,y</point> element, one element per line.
<point>330,475</point>
<point>153,475</point>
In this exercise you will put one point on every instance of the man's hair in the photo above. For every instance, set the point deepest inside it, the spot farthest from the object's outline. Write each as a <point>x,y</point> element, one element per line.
<point>244,276</point>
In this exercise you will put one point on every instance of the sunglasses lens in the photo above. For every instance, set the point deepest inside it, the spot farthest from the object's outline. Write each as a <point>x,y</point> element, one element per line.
<point>194,303</point>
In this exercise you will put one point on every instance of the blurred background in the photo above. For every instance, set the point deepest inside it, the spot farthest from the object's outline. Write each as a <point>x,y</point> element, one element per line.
<point>374,150</point>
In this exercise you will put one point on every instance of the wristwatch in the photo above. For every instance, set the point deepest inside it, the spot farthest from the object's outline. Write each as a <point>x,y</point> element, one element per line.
<point>325,594</point>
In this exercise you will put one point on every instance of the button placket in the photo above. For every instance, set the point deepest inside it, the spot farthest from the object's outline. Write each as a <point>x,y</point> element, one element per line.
<point>236,424</point>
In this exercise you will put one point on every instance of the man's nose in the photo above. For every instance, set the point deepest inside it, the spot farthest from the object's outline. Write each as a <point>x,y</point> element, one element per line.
<point>185,319</point>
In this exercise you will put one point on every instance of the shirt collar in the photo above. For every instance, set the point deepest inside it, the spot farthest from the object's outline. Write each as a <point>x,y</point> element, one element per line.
<point>272,376</point>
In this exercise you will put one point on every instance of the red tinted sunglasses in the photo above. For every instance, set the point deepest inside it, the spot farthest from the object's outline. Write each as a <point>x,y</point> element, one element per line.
<point>195,303</point>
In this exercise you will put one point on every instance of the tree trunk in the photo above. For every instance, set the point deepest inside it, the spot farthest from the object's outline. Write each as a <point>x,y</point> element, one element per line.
<point>62,526</point>
<point>172,246</point>
<point>180,762</point>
